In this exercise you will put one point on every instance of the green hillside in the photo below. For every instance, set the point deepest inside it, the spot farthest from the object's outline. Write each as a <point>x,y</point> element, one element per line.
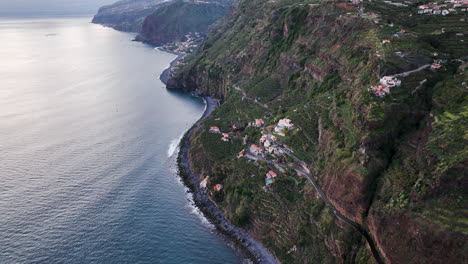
<point>363,178</point>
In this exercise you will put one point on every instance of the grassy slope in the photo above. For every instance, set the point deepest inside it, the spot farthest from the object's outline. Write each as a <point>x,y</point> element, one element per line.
<point>395,164</point>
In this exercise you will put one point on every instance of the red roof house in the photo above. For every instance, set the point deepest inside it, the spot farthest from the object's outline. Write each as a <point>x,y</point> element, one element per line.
<point>215,129</point>
<point>271,174</point>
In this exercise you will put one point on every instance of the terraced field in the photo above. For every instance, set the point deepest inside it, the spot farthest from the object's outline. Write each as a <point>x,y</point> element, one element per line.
<point>439,32</point>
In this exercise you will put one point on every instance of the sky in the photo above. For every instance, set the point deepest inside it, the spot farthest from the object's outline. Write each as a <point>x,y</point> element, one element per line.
<point>51,7</point>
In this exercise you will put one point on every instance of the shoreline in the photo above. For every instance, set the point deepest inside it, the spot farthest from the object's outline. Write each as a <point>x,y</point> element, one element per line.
<point>164,77</point>
<point>244,244</point>
<point>248,247</point>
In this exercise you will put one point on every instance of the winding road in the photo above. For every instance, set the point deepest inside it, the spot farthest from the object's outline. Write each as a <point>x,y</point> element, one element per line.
<point>301,169</point>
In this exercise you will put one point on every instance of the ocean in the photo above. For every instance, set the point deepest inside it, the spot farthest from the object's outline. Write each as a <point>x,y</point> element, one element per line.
<point>88,137</point>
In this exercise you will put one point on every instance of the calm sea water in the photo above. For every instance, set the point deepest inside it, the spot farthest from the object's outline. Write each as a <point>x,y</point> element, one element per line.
<point>87,137</point>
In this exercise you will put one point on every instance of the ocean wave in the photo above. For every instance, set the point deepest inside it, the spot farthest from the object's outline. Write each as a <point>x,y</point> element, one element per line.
<point>174,145</point>
<point>194,210</point>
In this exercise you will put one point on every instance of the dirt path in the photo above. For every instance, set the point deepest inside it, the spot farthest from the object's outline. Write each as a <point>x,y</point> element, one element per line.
<point>407,73</point>
<point>244,96</point>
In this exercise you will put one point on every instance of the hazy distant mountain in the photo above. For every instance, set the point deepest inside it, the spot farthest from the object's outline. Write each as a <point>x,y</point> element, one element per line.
<point>173,22</point>
<point>127,15</point>
<point>50,7</point>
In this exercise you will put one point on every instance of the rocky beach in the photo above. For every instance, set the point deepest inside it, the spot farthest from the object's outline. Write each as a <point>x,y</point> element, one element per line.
<point>248,246</point>
<point>164,77</point>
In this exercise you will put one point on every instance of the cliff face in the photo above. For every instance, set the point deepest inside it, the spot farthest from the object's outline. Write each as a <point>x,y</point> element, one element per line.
<point>127,15</point>
<point>175,21</point>
<point>395,166</point>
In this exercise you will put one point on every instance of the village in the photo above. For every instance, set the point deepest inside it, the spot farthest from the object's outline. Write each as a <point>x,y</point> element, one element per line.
<point>432,8</point>
<point>269,146</point>
<point>191,42</point>
<point>449,7</point>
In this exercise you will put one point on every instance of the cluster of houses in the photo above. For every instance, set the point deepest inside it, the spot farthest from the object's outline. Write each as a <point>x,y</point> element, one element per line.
<point>269,142</point>
<point>225,136</point>
<point>267,145</point>
<point>449,7</point>
<point>187,46</point>
<point>386,82</point>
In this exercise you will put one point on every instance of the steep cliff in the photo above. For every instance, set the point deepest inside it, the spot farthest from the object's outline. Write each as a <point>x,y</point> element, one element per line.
<point>127,15</point>
<point>175,21</point>
<point>367,175</point>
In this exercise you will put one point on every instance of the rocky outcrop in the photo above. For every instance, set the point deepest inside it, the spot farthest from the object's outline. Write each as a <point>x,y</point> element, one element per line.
<point>127,15</point>
<point>173,22</point>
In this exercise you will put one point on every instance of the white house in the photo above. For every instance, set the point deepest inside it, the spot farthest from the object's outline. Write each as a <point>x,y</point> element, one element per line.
<point>256,150</point>
<point>390,81</point>
<point>284,124</point>
<point>204,182</point>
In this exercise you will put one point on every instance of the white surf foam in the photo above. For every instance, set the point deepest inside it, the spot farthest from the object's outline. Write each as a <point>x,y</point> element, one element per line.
<point>196,211</point>
<point>174,145</point>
